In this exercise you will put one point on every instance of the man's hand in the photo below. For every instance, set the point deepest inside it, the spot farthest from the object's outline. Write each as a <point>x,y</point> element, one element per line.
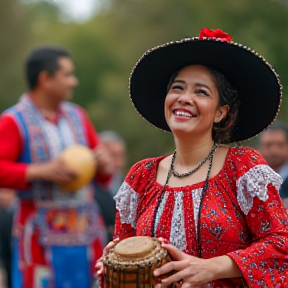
<point>104,160</point>
<point>55,171</point>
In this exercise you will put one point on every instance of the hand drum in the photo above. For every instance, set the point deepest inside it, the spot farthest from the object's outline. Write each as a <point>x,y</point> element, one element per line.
<point>130,264</point>
<point>81,160</point>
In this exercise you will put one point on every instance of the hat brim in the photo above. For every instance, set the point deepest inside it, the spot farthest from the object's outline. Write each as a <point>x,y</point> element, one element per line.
<point>255,80</point>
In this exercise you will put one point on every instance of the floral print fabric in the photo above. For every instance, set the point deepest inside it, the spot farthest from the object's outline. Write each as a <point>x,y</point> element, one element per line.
<point>242,216</point>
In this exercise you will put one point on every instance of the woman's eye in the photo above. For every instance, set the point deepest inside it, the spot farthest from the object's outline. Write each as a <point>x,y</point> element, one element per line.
<point>177,87</point>
<point>201,91</point>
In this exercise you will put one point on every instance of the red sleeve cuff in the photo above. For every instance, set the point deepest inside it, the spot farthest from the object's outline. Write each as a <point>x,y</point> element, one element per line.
<point>13,175</point>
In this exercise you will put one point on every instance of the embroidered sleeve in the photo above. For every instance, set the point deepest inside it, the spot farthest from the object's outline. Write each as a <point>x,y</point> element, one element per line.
<point>254,183</point>
<point>128,197</point>
<point>264,263</point>
<point>126,204</point>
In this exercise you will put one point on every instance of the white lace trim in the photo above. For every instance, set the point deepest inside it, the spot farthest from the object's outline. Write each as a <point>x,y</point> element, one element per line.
<point>196,195</point>
<point>254,184</point>
<point>178,232</point>
<point>126,203</point>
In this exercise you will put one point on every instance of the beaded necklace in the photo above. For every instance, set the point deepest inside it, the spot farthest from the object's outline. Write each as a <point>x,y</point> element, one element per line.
<point>205,188</point>
<point>178,175</point>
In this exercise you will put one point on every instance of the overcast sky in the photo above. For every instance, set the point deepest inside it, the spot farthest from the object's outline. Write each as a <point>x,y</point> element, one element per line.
<point>80,10</point>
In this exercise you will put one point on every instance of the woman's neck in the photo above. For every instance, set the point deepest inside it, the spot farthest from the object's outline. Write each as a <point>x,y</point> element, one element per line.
<point>190,153</point>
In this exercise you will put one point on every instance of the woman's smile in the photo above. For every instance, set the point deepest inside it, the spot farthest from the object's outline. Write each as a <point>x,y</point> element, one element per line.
<point>182,115</point>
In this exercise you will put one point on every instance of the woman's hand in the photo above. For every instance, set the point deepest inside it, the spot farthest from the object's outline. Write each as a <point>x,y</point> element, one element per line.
<point>193,271</point>
<point>99,267</point>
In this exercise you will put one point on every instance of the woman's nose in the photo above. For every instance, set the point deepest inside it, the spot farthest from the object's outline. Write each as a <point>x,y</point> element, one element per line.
<point>185,98</point>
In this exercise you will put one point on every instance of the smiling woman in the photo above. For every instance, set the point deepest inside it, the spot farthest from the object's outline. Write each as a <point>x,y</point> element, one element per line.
<point>218,206</point>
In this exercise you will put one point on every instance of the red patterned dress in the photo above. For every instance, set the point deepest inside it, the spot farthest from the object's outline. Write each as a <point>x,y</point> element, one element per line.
<point>242,216</point>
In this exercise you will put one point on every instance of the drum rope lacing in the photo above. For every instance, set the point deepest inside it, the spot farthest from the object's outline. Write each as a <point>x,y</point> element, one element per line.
<point>205,188</point>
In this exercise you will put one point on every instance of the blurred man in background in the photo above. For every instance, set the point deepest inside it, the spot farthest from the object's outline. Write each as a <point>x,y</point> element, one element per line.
<point>273,146</point>
<point>66,226</point>
<point>104,196</point>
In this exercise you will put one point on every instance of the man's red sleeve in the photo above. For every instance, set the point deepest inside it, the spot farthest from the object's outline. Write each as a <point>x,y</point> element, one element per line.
<point>12,174</point>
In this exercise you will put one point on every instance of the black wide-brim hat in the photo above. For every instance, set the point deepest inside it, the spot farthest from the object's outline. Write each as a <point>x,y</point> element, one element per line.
<point>249,73</point>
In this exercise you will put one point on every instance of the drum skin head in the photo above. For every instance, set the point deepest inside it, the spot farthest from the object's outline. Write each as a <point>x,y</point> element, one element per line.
<point>134,247</point>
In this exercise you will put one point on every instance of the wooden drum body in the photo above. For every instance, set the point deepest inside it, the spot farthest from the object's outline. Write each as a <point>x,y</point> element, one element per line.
<point>130,264</point>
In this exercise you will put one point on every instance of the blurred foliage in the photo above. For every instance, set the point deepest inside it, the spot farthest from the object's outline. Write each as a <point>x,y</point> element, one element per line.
<point>106,47</point>
<point>15,27</point>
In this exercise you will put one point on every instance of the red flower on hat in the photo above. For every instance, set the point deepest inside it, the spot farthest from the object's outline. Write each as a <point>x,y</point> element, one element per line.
<point>214,34</point>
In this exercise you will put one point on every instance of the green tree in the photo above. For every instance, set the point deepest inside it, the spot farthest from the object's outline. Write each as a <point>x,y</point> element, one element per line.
<point>15,34</point>
<point>106,48</point>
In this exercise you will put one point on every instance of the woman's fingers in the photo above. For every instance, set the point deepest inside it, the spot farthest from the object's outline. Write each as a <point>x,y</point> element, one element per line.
<point>116,240</point>
<point>110,245</point>
<point>169,267</point>
<point>164,240</point>
<point>99,265</point>
<point>99,269</point>
<point>177,277</point>
<point>175,253</point>
<point>190,285</point>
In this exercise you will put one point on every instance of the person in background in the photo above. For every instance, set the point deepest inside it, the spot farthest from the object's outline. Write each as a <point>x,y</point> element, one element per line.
<point>66,226</point>
<point>104,196</point>
<point>273,146</point>
<point>8,207</point>
<point>117,148</point>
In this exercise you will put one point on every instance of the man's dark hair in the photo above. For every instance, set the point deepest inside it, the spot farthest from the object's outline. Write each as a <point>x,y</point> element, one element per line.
<point>41,59</point>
